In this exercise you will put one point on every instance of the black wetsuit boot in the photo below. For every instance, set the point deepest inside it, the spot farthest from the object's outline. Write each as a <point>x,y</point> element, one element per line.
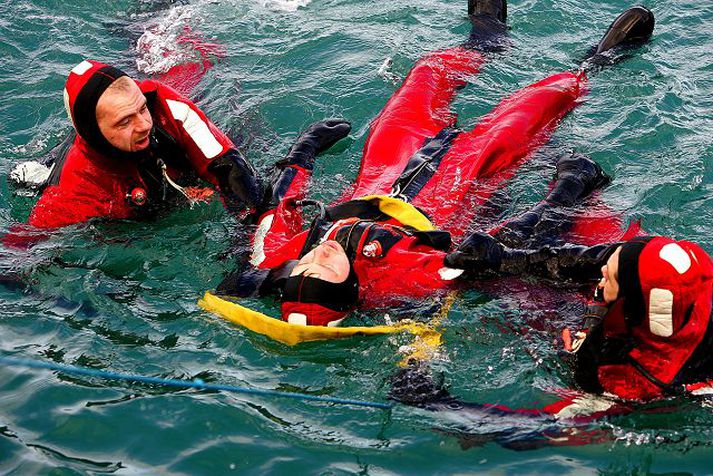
<point>630,29</point>
<point>489,31</point>
<point>577,177</point>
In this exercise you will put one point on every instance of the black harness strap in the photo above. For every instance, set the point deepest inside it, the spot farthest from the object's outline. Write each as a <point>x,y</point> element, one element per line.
<point>668,389</point>
<point>423,164</point>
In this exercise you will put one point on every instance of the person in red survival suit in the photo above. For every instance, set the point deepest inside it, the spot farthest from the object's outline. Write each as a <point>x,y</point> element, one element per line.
<point>647,334</point>
<point>135,142</point>
<point>355,252</point>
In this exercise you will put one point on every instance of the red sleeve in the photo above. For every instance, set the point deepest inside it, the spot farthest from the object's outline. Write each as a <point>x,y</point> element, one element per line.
<point>199,137</point>
<point>280,225</point>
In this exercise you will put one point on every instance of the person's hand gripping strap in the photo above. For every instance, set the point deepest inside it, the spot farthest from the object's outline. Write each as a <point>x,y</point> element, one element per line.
<point>596,309</point>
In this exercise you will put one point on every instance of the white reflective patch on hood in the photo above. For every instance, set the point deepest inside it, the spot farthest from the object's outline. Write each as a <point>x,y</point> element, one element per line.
<point>82,68</point>
<point>676,256</point>
<point>661,312</point>
<point>297,318</point>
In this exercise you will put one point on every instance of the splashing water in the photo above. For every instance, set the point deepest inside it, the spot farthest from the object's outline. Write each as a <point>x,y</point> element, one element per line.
<point>159,48</point>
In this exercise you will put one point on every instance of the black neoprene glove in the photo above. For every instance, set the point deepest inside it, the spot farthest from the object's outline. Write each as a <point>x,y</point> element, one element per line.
<point>317,138</point>
<point>237,181</point>
<point>478,254</point>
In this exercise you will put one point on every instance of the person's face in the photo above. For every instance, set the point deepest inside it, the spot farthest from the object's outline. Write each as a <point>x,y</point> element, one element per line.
<point>328,262</point>
<point>124,119</point>
<point>610,277</point>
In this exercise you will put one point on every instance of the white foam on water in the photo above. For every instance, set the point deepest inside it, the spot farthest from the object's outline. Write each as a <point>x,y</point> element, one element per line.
<point>386,73</point>
<point>159,48</point>
<point>285,5</point>
<point>30,173</point>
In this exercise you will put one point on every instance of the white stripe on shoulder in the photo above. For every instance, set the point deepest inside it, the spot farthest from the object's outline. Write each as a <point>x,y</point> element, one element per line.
<point>196,128</point>
<point>258,254</point>
<point>676,256</point>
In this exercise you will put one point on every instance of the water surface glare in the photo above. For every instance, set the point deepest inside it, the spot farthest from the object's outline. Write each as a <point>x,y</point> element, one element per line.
<point>122,296</point>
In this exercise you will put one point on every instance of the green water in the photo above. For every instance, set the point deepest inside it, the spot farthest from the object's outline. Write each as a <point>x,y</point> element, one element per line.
<point>122,296</point>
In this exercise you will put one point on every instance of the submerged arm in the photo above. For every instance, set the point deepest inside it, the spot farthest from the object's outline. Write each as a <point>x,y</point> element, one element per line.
<point>568,422</point>
<point>481,254</point>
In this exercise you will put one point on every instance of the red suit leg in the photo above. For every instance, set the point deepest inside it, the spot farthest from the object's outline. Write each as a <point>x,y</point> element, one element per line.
<point>479,161</point>
<point>417,111</point>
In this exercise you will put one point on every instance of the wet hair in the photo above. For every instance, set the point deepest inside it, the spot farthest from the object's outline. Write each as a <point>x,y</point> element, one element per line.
<point>122,84</point>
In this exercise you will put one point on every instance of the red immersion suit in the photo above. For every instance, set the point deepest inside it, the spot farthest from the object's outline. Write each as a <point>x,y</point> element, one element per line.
<point>415,130</point>
<point>98,183</point>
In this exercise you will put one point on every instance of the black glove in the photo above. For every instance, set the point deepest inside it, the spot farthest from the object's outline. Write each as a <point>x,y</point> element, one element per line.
<point>415,385</point>
<point>237,181</point>
<point>317,138</point>
<point>243,283</point>
<point>478,254</point>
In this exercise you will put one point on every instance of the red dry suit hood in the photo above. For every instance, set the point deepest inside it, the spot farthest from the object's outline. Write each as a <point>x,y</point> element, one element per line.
<point>85,84</point>
<point>665,283</point>
<point>657,336</point>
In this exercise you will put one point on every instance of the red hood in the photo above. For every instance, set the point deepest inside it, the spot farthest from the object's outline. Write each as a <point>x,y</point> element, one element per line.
<point>85,84</point>
<point>675,279</point>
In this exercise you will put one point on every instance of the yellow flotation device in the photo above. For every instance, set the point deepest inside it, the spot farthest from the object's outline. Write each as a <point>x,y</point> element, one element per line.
<point>403,212</point>
<point>292,334</point>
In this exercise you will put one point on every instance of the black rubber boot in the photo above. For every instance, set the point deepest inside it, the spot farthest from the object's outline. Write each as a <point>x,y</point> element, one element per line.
<point>631,28</point>
<point>489,31</point>
<point>577,177</point>
<point>634,26</point>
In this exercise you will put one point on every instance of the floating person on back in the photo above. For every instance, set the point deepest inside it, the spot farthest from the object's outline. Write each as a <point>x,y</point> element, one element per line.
<point>421,182</point>
<point>135,142</point>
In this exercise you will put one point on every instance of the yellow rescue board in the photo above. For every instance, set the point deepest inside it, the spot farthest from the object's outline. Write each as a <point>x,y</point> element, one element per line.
<point>292,334</point>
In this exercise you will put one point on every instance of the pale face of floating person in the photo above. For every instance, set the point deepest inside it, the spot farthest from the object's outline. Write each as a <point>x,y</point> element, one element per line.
<point>327,262</point>
<point>123,117</point>
<point>610,277</point>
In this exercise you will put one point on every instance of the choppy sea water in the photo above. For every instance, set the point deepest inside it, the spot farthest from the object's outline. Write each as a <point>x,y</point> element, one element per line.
<point>122,296</point>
